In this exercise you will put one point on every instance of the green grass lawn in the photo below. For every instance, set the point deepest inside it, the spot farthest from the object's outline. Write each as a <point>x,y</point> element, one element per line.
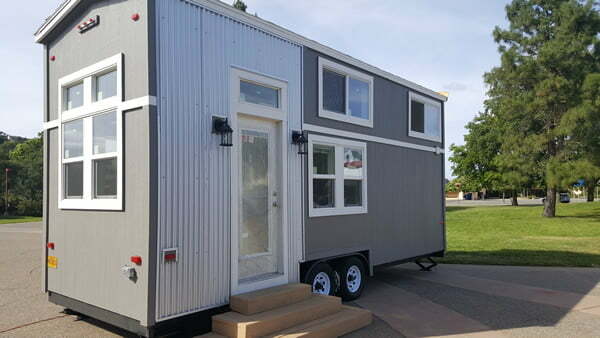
<point>521,236</point>
<point>18,219</point>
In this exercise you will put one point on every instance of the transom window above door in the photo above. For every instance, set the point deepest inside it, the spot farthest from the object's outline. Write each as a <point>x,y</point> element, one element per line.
<point>345,94</point>
<point>337,176</point>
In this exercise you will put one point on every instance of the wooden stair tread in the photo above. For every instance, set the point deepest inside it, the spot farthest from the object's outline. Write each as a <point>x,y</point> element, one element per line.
<point>271,298</point>
<point>347,320</point>
<point>233,324</point>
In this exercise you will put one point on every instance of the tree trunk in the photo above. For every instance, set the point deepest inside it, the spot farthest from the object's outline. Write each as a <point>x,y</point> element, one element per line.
<point>550,203</point>
<point>513,201</point>
<point>590,191</point>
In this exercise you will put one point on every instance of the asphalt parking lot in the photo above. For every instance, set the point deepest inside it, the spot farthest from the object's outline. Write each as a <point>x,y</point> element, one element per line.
<point>453,300</point>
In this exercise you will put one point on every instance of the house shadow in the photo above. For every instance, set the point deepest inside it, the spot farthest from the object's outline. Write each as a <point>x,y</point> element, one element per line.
<point>494,297</point>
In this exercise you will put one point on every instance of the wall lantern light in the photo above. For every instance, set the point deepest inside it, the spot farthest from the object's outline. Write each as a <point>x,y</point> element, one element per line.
<point>300,138</point>
<point>220,125</point>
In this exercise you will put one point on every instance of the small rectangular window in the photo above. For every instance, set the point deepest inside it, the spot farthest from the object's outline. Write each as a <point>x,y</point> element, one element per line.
<point>425,116</point>
<point>74,96</point>
<point>338,176</point>
<point>105,178</point>
<point>106,85</point>
<point>334,92</point>
<point>255,93</point>
<point>345,94</point>
<point>73,180</point>
<point>73,139</point>
<point>105,133</point>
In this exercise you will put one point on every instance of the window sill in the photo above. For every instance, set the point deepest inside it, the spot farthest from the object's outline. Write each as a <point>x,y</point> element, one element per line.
<point>322,212</point>
<point>345,118</point>
<point>97,204</point>
<point>424,136</point>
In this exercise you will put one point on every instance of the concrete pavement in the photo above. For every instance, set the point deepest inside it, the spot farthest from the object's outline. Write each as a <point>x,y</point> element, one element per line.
<point>452,300</point>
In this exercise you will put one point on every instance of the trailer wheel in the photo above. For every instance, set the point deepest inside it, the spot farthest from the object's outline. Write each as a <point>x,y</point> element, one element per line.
<point>352,278</point>
<point>322,279</point>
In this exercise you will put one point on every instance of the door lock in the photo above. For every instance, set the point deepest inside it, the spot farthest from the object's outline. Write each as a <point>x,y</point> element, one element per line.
<point>275,205</point>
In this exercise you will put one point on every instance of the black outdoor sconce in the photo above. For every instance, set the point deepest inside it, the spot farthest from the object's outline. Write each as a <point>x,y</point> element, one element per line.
<point>301,139</point>
<point>220,125</point>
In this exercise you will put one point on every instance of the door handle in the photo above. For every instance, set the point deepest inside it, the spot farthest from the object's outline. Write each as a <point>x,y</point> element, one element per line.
<point>275,204</point>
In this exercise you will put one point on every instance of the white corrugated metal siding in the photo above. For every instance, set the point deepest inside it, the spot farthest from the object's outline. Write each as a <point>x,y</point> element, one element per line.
<point>195,50</point>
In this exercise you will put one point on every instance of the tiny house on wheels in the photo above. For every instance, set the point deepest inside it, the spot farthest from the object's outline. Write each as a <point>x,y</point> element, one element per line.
<point>194,153</point>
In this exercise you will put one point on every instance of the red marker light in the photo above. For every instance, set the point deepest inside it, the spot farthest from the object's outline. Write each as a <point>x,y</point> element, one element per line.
<point>50,245</point>
<point>170,257</point>
<point>52,58</point>
<point>137,260</point>
<point>135,17</point>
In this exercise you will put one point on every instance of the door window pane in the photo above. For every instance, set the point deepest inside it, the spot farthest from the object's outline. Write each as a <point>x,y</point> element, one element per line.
<point>353,163</point>
<point>432,121</point>
<point>254,230</point>
<point>417,117</point>
<point>73,139</point>
<point>334,92</point>
<point>105,178</point>
<point>255,93</point>
<point>323,160</point>
<point>74,96</point>
<point>323,193</point>
<point>106,86</point>
<point>358,98</point>
<point>73,185</point>
<point>352,193</point>
<point>105,133</point>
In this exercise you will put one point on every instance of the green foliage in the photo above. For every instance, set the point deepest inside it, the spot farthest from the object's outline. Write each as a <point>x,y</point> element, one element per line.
<point>239,4</point>
<point>543,90</point>
<point>25,159</point>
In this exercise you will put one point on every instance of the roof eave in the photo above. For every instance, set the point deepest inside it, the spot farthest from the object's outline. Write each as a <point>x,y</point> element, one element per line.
<point>54,19</point>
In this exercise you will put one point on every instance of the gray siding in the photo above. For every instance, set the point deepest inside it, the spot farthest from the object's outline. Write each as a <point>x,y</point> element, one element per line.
<point>116,33</point>
<point>390,104</point>
<point>405,186</point>
<point>92,246</point>
<point>197,48</point>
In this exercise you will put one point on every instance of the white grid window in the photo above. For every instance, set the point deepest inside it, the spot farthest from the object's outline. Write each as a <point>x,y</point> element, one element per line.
<point>91,137</point>
<point>424,118</point>
<point>345,94</point>
<point>337,176</point>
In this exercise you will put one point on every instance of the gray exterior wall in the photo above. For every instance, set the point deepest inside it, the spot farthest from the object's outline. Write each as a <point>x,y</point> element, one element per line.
<point>197,48</point>
<point>92,246</point>
<point>405,186</point>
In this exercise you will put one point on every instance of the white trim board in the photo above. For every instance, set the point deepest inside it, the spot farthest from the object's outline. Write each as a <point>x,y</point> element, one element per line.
<point>124,106</point>
<point>364,137</point>
<point>227,10</point>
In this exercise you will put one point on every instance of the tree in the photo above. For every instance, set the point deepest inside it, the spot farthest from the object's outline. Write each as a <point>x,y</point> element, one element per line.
<point>473,162</point>
<point>546,53</point>
<point>28,158</point>
<point>239,4</point>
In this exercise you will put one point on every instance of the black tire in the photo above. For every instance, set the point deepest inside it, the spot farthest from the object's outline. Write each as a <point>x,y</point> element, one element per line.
<point>353,277</point>
<point>322,279</point>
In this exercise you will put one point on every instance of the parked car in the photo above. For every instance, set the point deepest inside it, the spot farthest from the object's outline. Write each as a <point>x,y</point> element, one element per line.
<point>564,197</point>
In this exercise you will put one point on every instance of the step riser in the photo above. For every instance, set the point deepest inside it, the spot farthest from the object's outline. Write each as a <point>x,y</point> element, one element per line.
<point>249,304</point>
<point>258,328</point>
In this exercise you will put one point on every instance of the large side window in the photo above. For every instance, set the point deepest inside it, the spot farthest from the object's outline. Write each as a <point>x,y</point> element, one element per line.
<point>338,176</point>
<point>425,118</point>
<point>345,94</point>
<point>91,137</point>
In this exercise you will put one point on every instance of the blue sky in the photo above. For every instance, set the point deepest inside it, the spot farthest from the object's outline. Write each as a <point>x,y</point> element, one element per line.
<point>442,45</point>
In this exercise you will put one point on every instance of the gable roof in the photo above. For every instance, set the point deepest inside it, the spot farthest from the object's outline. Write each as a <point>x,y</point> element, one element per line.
<point>222,8</point>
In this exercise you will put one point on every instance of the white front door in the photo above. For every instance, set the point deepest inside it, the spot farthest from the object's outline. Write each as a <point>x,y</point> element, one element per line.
<point>259,234</point>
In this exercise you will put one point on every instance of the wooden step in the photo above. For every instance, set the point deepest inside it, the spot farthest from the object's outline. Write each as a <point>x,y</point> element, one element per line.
<point>345,321</point>
<point>233,324</point>
<point>210,335</point>
<point>268,299</point>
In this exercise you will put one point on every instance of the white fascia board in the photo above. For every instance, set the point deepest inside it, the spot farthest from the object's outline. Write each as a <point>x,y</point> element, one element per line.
<point>225,9</point>
<point>56,18</point>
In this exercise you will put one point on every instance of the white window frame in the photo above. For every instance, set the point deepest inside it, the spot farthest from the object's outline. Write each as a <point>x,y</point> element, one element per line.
<point>412,96</point>
<point>339,208</point>
<point>347,73</point>
<point>87,111</point>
